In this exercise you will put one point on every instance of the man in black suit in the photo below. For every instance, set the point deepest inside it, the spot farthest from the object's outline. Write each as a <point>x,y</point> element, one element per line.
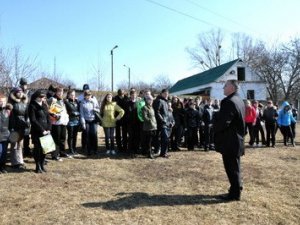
<point>229,128</point>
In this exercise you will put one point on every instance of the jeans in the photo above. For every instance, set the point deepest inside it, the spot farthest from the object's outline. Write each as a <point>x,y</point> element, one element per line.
<point>147,140</point>
<point>3,153</point>
<point>121,137</point>
<point>176,137</point>
<point>109,133</point>
<point>270,128</point>
<point>91,136</point>
<point>165,134</point>
<point>287,133</point>
<point>72,138</point>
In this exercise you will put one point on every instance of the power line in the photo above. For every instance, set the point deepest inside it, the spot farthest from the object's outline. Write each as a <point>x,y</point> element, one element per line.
<point>181,13</point>
<point>196,18</point>
<point>218,14</point>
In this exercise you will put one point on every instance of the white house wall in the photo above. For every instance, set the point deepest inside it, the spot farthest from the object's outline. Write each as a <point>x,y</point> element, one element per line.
<point>252,82</point>
<point>260,91</point>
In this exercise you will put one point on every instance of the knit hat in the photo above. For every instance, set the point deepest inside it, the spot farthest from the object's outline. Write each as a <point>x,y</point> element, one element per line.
<point>85,87</point>
<point>23,81</point>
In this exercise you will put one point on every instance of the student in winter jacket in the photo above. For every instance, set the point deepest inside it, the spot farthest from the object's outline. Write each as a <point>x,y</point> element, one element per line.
<point>26,141</point>
<point>295,115</point>
<point>40,126</point>
<point>200,108</point>
<point>149,126</point>
<point>270,116</point>
<point>108,112</point>
<point>59,118</point>
<point>258,128</point>
<point>160,106</point>
<point>88,107</point>
<point>177,131</point>
<point>133,123</point>
<point>73,109</point>
<point>250,120</point>
<point>284,121</point>
<point>208,126</point>
<point>191,125</point>
<point>19,122</point>
<point>121,126</point>
<point>5,110</point>
<point>140,103</point>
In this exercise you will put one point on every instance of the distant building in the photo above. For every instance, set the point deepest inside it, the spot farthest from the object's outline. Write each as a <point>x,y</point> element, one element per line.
<point>210,83</point>
<point>44,83</point>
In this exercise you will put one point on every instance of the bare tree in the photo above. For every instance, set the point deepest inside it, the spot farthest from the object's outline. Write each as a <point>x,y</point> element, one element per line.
<point>123,85</point>
<point>279,67</point>
<point>97,79</point>
<point>13,66</point>
<point>290,77</point>
<point>162,82</point>
<point>23,66</point>
<point>207,54</point>
<point>246,48</point>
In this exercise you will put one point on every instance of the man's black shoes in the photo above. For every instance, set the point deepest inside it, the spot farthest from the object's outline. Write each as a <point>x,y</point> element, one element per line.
<point>229,198</point>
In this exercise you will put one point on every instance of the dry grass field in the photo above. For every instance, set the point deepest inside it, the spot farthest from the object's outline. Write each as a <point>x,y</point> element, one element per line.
<point>180,190</point>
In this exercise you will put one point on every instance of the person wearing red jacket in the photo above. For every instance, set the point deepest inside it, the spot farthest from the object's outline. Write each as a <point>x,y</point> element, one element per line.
<point>250,120</point>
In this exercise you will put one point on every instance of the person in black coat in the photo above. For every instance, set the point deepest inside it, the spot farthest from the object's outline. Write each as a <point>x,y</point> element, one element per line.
<point>133,123</point>
<point>207,119</point>
<point>72,106</point>
<point>270,117</point>
<point>178,113</point>
<point>192,119</point>
<point>229,131</point>
<point>160,106</point>
<point>40,126</point>
<point>121,125</point>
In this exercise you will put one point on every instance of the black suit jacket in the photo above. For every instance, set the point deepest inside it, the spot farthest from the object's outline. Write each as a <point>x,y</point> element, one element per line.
<point>229,126</point>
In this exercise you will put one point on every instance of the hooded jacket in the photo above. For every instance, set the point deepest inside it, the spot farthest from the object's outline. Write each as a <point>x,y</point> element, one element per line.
<point>285,116</point>
<point>19,119</point>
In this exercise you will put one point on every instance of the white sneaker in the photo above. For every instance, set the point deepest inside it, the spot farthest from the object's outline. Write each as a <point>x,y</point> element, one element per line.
<point>113,152</point>
<point>107,152</point>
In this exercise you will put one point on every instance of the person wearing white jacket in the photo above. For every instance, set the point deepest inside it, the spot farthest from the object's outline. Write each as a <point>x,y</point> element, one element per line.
<point>59,119</point>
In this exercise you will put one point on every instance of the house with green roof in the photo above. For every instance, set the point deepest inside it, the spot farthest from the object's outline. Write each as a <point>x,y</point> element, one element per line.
<point>210,83</point>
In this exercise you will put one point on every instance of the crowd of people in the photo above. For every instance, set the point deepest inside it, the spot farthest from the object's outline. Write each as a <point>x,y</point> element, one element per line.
<point>133,123</point>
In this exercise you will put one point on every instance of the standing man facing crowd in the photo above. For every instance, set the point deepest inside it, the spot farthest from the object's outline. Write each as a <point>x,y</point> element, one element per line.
<point>229,137</point>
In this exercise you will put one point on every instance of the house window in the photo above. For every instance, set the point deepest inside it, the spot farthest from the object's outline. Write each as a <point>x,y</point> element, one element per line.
<point>241,73</point>
<point>250,94</point>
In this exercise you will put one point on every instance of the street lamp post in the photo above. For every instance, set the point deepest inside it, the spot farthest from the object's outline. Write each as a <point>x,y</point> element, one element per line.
<point>128,76</point>
<point>112,67</point>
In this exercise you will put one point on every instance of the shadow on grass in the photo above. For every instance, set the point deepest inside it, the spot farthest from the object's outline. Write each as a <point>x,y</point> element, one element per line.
<point>140,199</point>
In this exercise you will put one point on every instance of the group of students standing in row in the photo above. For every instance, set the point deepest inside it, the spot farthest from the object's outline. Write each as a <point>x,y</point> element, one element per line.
<point>137,122</point>
<point>271,118</point>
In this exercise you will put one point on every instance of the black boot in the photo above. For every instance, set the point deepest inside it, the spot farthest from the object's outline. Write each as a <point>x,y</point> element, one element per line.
<point>38,168</point>
<point>2,168</point>
<point>37,160</point>
<point>42,163</point>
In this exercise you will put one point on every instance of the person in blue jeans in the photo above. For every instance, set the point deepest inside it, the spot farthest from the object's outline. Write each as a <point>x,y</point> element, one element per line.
<point>88,107</point>
<point>160,106</point>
